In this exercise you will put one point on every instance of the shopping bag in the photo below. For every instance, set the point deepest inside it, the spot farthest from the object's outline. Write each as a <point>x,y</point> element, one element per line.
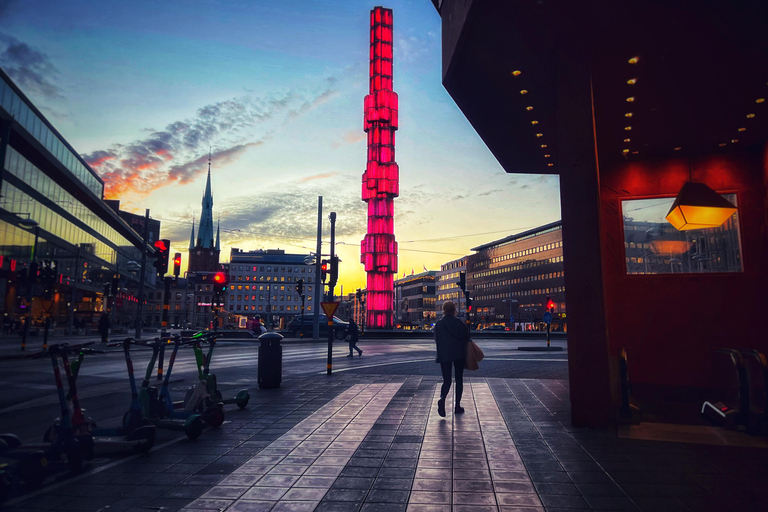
<point>474,356</point>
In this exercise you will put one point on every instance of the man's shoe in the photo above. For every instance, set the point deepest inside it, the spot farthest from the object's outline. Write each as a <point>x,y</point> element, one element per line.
<point>459,410</point>
<point>441,407</point>
<point>350,355</point>
<point>359,353</point>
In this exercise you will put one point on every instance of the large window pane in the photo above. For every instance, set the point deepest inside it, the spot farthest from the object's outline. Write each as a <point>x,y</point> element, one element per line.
<point>653,246</point>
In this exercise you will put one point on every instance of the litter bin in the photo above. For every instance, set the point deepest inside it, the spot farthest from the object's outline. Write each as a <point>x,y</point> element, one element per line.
<point>270,360</point>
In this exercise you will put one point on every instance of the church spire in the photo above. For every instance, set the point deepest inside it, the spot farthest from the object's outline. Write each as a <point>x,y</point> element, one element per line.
<point>205,231</point>
<point>218,238</point>
<point>192,236</point>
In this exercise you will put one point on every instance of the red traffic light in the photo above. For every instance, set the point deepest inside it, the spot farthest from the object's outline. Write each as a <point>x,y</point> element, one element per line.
<point>160,245</point>
<point>550,304</point>
<point>220,278</point>
<point>324,267</point>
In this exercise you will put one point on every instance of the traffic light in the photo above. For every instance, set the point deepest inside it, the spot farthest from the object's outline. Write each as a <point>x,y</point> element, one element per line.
<point>177,264</point>
<point>550,304</point>
<point>463,281</point>
<point>334,271</point>
<point>162,252</point>
<point>469,301</point>
<point>115,286</point>
<point>323,270</point>
<point>220,280</point>
<point>300,286</point>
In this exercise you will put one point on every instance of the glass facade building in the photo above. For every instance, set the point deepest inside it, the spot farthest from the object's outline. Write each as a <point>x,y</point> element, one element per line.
<point>53,215</point>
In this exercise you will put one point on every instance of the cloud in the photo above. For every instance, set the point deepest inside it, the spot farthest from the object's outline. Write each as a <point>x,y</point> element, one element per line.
<point>29,68</point>
<point>319,176</point>
<point>5,8</point>
<point>349,137</point>
<point>488,193</point>
<point>178,153</point>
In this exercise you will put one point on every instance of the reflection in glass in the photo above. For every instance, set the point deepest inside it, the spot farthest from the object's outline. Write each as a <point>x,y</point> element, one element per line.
<point>653,246</point>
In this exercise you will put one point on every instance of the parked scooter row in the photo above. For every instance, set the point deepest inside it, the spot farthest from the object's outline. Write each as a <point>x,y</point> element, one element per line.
<point>74,438</point>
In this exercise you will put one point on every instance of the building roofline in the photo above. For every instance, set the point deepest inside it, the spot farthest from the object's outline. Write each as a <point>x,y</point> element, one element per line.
<point>519,236</point>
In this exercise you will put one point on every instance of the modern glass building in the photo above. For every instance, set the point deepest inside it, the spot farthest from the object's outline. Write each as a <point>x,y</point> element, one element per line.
<point>62,247</point>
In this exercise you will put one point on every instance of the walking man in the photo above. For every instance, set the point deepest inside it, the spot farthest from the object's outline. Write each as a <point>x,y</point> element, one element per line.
<point>353,335</point>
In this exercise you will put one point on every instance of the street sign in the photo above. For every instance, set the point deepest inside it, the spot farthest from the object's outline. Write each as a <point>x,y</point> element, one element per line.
<point>330,309</point>
<point>512,319</point>
<point>547,317</point>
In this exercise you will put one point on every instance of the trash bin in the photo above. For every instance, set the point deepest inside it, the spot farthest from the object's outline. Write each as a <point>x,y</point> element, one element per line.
<point>270,360</point>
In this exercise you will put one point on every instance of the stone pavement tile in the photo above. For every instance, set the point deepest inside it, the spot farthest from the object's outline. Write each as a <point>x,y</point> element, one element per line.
<point>474,498</point>
<point>509,465</point>
<point>430,484</point>
<point>294,506</point>
<point>547,466</point>
<point>226,492</point>
<point>203,480</point>
<point>383,507</point>
<point>470,464</point>
<point>400,463</point>
<point>543,476</point>
<point>387,496</point>
<point>472,486</point>
<point>324,470</point>
<point>444,474</point>
<point>305,494</point>
<point>187,491</point>
<point>513,486</point>
<point>251,506</point>
<point>288,469</point>
<point>348,482</point>
<point>211,504</point>
<point>555,488</point>
<point>392,483</point>
<point>421,507</point>
<point>337,506</point>
<point>397,472</point>
<point>599,489</point>
<point>315,481</point>
<point>520,509</point>
<point>265,493</point>
<point>475,508</point>
<point>431,497</point>
<point>345,495</point>
<point>435,463</point>
<point>239,480</point>
<point>613,503</point>
<point>366,462</point>
<point>563,501</point>
<point>589,477</point>
<point>278,480</point>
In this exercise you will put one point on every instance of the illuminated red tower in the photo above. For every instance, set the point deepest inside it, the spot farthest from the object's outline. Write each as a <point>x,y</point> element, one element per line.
<point>380,180</point>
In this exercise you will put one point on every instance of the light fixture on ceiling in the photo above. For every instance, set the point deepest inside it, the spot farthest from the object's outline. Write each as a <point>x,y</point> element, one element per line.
<point>698,207</point>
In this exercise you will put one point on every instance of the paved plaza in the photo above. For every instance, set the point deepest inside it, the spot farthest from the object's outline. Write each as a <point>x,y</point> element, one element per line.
<point>352,442</point>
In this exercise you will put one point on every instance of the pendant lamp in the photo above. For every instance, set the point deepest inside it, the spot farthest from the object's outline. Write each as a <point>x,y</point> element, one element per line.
<point>697,207</point>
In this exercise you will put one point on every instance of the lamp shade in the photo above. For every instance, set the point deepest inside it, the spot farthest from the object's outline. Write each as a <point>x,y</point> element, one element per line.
<point>697,207</point>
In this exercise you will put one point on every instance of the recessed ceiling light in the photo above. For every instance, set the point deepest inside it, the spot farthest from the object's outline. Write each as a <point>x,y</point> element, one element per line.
<point>750,116</point>
<point>678,148</point>
<point>516,73</point>
<point>627,128</point>
<point>543,146</point>
<point>550,164</point>
<point>529,108</point>
<point>742,129</point>
<point>734,141</point>
<point>722,144</point>
<point>625,151</point>
<point>524,91</point>
<point>626,140</point>
<point>633,60</point>
<point>534,122</point>
<point>539,134</point>
<point>630,99</point>
<point>759,100</point>
<point>632,81</point>
<point>546,156</point>
<point>628,114</point>
<point>635,152</point>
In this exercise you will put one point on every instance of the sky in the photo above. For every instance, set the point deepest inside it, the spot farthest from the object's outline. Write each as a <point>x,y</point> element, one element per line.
<point>143,90</point>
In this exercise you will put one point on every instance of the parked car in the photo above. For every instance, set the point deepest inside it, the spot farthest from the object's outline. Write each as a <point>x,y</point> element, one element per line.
<point>496,328</point>
<point>305,324</point>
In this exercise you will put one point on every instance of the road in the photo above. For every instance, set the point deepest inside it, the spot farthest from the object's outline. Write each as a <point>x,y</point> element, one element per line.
<point>29,400</point>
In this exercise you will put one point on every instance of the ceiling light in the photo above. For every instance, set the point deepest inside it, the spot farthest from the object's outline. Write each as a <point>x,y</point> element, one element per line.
<point>630,99</point>
<point>628,114</point>
<point>627,128</point>
<point>632,81</point>
<point>539,134</point>
<point>543,146</point>
<point>625,151</point>
<point>633,60</point>
<point>626,140</point>
<point>742,129</point>
<point>529,108</point>
<point>550,164</point>
<point>524,91</point>
<point>534,122</point>
<point>546,156</point>
<point>697,207</point>
<point>516,73</point>
<point>678,148</point>
<point>750,116</point>
<point>722,144</point>
<point>759,100</point>
<point>734,141</point>
<point>635,152</point>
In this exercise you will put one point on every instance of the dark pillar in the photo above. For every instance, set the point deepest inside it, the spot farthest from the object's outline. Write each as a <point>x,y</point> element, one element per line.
<point>589,364</point>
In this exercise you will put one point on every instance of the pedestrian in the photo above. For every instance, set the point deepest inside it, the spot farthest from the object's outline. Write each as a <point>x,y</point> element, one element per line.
<point>104,327</point>
<point>259,327</point>
<point>451,338</point>
<point>352,336</point>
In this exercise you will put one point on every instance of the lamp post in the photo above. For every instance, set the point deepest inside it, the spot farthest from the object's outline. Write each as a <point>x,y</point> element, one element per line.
<point>510,302</point>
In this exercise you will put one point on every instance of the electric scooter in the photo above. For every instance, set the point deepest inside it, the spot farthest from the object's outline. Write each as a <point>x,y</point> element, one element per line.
<point>199,398</point>
<point>158,408</point>
<point>105,441</point>
<point>203,370</point>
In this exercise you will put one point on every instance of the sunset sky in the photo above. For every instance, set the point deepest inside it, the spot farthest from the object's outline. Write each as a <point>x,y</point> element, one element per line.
<point>143,89</point>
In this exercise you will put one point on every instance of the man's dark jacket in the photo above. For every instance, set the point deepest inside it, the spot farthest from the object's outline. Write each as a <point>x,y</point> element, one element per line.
<point>451,337</point>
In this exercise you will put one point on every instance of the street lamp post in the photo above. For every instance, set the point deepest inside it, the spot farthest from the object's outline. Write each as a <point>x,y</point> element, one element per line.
<point>510,302</point>
<point>29,224</point>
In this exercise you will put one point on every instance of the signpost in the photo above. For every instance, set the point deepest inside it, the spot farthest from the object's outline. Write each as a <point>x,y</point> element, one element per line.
<point>330,309</point>
<point>548,321</point>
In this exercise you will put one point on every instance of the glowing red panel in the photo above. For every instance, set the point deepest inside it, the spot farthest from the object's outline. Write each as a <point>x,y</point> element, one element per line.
<point>380,183</point>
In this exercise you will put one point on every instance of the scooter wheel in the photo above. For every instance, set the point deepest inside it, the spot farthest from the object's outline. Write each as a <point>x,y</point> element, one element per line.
<point>194,429</point>
<point>12,440</point>
<point>74,455</point>
<point>214,417</point>
<point>146,434</point>
<point>243,403</point>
